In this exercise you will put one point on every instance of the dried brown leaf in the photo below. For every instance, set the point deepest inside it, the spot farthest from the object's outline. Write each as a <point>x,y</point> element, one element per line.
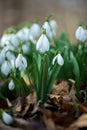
<point>61,89</point>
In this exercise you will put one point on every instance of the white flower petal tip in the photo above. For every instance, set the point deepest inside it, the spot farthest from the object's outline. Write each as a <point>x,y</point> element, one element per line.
<point>43,44</point>
<point>59,59</point>
<point>7,119</point>
<point>11,85</point>
<point>81,34</point>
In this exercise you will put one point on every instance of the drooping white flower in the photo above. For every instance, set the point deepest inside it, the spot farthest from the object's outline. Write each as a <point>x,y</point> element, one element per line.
<point>53,25</point>
<point>59,59</point>
<point>35,30</point>
<point>81,34</point>
<point>51,28</point>
<point>4,40</point>
<point>6,68</point>
<point>11,85</point>
<point>23,34</point>
<point>42,44</point>
<point>10,56</point>
<point>7,118</point>
<point>13,39</point>
<point>25,49</point>
<point>21,62</point>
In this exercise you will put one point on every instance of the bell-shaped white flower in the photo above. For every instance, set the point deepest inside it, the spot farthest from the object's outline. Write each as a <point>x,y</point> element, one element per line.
<point>35,30</point>
<point>21,62</point>
<point>11,85</point>
<point>42,44</point>
<point>23,34</point>
<point>13,39</point>
<point>81,34</point>
<point>4,40</point>
<point>10,56</point>
<point>59,59</point>
<point>53,25</point>
<point>25,49</point>
<point>6,67</point>
<point>7,118</point>
<point>51,28</point>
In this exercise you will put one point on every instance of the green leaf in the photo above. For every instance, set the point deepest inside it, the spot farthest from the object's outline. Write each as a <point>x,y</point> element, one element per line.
<point>52,77</point>
<point>76,72</point>
<point>44,78</point>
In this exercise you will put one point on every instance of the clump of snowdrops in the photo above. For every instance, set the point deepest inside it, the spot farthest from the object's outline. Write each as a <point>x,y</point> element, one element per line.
<point>29,52</point>
<point>36,53</point>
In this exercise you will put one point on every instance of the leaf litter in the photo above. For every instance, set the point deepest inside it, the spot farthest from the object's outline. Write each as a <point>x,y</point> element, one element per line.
<point>62,111</point>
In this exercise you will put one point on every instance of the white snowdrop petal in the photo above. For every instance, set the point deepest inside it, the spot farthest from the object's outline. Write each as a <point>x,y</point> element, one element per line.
<point>81,34</point>
<point>35,30</point>
<point>51,28</point>
<point>14,40</point>
<point>4,40</point>
<point>53,24</point>
<point>7,118</point>
<point>11,85</point>
<point>60,60</point>
<point>2,57</point>
<point>42,44</point>
<point>21,62</point>
<point>23,34</point>
<point>54,59</point>
<point>25,49</point>
<point>6,68</point>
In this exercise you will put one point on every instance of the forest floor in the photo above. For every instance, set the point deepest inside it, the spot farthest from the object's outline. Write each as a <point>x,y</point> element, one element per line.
<point>63,111</point>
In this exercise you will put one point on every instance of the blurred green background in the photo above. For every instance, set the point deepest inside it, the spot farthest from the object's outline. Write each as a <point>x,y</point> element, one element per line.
<point>68,12</point>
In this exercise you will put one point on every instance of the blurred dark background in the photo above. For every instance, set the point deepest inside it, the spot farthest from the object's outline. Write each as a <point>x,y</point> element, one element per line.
<point>68,12</point>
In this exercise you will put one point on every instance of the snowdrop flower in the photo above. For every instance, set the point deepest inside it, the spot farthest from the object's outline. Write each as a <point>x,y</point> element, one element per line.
<point>10,56</point>
<point>50,28</point>
<point>11,85</point>
<point>53,25</point>
<point>59,59</point>
<point>13,39</point>
<point>4,40</point>
<point>7,118</point>
<point>23,34</point>
<point>2,57</point>
<point>81,34</point>
<point>6,68</point>
<point>25,49</point>
<point>42,44</point>
<point>21,62</point>
<point>35,30</point>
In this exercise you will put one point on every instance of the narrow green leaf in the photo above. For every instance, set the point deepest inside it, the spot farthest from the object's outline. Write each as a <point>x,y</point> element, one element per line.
<point>52,78</point>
